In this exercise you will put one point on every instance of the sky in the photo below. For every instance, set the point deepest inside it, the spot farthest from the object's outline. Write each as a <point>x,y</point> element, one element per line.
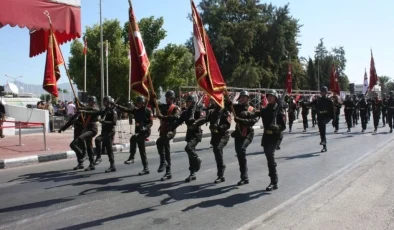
<point>357,25</point>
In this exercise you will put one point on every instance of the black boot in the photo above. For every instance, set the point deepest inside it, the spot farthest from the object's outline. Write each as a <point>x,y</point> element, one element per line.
<point>111,169</point>
<point>197,165</point>
<point>348,130</point>
<point>98,161</point>
<point>90,168</point>
<point>129,161</point>
<point>324,149</point>
<point>220,178</point>
<point>168,175</point>
<point>191,177</point>
<point>391,130</point>
<point>162,166</point>
<point>144,172</point>
<point>274,183</point>
<point>79,166</point>
<point>243,181</point>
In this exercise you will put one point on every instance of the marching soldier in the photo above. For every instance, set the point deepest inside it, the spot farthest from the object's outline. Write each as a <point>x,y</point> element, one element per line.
<point>305,105</point>
<point>191,118</point>
<point>376,110</point>
<point>363,106</point>
<point>349,110</point>
<point>291,113</point>
<point>337,111</point>
<point>77,121</point>
<point>169,113</point>
<point>314,111</point>
<point>369,101</point>
<point>390,110</point>
<point>356,113</point>
<point>89,132</point>
<point>219,123</point>
<point>274,120</point>
<point>143,124</point>
<point>384,109</point>
<point>325,110</point>
<point>243,135</point>
<point>108,121</point>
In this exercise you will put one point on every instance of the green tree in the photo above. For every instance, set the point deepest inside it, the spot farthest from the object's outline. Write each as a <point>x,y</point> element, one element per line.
<point>311,72</point>
<point>173,67</point>
<point>383,81</point>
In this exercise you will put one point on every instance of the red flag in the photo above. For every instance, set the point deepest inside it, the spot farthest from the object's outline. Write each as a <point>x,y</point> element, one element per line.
<point>53,60</point>
<point>289,80</point>
<point>373,76</point>
<point>208,74</point>
<point>139,59</point>
<point>334,84</point>
<point>85,46</point>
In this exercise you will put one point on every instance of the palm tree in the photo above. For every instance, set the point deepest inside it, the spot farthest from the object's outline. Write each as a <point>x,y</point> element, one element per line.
<point>383,81</point>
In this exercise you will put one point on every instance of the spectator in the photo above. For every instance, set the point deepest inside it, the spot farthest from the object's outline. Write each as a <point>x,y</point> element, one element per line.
<point>70,110</point>
<point>2,118</point>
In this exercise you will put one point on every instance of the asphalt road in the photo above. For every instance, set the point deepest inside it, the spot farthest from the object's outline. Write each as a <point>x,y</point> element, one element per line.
<point>50,196</point>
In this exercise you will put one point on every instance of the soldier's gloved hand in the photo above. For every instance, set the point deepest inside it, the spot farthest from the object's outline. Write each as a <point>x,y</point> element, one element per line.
<point>213,127</point>
<point>244,114</point>
<point>161,116</point>
<point>237,119</point>
<point>170,134</point>
<point>223,127</point>
<point>143,129</point>
<point>274,128</point>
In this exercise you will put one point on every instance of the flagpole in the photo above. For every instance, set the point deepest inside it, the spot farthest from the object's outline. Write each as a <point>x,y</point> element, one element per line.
<point>84,72</point>
<point>106,54</point>
<point>101,56</point>
<point>129,74</point>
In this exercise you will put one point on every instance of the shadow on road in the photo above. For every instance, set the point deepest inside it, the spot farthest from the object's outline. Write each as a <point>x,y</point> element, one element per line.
<point>302,156</point>
<point>40,204</point>
<point>55,176</point>
<point>96,182</point>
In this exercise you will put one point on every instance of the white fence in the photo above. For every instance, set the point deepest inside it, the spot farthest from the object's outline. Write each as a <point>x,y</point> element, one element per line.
<point>24,114</point>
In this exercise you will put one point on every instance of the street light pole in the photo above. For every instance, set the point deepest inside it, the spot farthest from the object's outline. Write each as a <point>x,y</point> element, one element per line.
<point>101,57</point>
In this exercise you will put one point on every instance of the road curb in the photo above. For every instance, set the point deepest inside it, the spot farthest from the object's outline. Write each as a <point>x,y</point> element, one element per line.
<point>43,158</point>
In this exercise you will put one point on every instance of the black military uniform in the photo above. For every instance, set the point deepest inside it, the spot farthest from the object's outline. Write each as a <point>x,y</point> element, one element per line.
<point>243,135</point>
<point>314,111</point>
<point>291,112</point>
<point>356,113</point>
<point>108,121</point>
<point>384,109</point>
<point>369,101</point>
<point>193,134</point>
<point>390,110</point>
<point>2,118</point>
<point>376,110</point>
<point>169,112</point>
<point>349,110</point>
<point>305,105</point>
<point>143,124</point>
<point>77,121</point>
<point>219,123</point>
<point>325,112</point>
<point>89,132</point>
<point>273,117</point>
<point>337,111</point>
<point>363,106</point>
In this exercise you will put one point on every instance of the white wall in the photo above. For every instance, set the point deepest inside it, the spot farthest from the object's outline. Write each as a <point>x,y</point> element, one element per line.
<point>28,115</point>
<point>9,131</point>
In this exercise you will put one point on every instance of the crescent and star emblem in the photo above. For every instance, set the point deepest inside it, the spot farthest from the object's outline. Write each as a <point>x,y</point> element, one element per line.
<point>137,35</point>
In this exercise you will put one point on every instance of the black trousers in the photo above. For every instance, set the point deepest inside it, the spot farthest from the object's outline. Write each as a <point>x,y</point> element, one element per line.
<point>104,141</point>
<point>390,117</point>
<point>269,143</point>
<point>356,114</point>
<point>191,152</point>
<point>138,139</point>
<point>335,122</point>
<point>364,119</point>
<point>376,118</point>
<point>291,120</point>
<point>314,121</point>
<point>79,144</point>
<point>218,142</point>
<point>280,140</point>
<point>384,116</point>
<point>241,144</point>
<point>322,122</point>
<point>163,147</point>
<point>349,118</point>
<point>305,120</point>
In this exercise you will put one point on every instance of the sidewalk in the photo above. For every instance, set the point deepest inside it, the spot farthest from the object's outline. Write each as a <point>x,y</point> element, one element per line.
<point>359,197</point>
<point>33,150</point>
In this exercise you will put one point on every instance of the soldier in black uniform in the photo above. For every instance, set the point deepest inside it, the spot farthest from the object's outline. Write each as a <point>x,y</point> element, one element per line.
<point>363,106</point>
<point>376,110</point>
<point>305,105</point>
<point>219,123</point>
<point>274,120</point>
<point>314,111</point>
<point>108,121</point>
<point>243,135</point>
<point>325,112</point>
<point>291,112</point>
<point>89,132</point>
<point>337,111</point>
<point>143,124</point>
<point>77,121</point>
<point>356,113</point>
<point>349,110</point>
<point>384,109</point>
<point>390,110</point>
<point>369,101</point>
<point>169,112</point>
<point>191,118</point>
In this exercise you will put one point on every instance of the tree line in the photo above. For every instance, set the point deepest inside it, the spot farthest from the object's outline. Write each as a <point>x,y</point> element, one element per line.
<point>250,39</point>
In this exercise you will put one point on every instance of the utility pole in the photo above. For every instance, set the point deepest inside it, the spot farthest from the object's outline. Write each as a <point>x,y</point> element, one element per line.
<point>101,57</point>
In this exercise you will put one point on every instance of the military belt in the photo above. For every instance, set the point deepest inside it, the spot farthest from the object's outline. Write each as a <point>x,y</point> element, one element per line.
<point>363,108</point>
<point>391,107</point>
<point>322,111</point>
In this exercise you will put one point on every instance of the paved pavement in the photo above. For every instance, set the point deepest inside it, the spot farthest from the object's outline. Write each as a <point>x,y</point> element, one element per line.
<point>50,196</point>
